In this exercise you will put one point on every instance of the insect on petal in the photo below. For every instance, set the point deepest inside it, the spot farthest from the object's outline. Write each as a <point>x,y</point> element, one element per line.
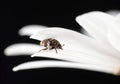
<point>77,42</point>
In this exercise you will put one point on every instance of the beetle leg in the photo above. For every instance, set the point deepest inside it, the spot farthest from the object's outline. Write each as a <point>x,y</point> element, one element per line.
<point>56,51</point>
<point>43,49</point>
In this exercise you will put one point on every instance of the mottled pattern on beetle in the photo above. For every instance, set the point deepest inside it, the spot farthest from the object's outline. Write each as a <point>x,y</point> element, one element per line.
<point>53,43</point>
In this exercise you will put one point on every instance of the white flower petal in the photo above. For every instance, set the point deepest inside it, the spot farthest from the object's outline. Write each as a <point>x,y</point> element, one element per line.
<point>30,30</point>
<point>22,49</point>
<point>114,37</point>
<point>76,41</point>
<point>114,33</point>
<point>76,56</point>
<point>117,18</point>
<point>113,12</point>
<point>85,32</point>
<point>45,64</point>
<point>96,24</point>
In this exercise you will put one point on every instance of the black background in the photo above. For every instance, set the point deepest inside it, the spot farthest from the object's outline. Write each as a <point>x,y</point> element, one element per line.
<point>16,14</point>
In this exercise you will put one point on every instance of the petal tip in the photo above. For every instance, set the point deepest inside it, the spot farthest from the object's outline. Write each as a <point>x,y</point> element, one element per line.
<point>32,56</point>
<point>14,69</point>
<point>30,37</point>
<point>6,52</point>
<point>77,18</point>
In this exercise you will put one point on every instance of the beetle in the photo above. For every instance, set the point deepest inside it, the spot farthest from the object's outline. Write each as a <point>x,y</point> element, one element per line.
<point>51,43</point>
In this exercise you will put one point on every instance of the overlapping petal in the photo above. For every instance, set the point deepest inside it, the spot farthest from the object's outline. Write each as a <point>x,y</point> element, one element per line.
<point>78,57</point>
<point>96,24</point>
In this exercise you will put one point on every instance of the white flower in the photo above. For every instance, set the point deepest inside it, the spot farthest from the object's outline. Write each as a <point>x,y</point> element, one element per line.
<point>99,52</point>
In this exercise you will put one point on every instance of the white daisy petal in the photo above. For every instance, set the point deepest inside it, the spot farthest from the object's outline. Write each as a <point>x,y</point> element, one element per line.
<point>76,41</point>
<point>22,49</point>
<point>30,30</point>
<point>85,32</point>
<point>76,56</point>
<point>117,18</point>
<point>46,64</point>
<point>96,24</point>
<point>114,36</point>
<point>113,12</point>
